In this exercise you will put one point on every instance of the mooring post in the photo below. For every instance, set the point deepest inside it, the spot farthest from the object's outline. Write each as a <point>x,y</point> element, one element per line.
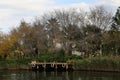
<point>66,66</point>
<point>37,66</point>
<point>55,66</point>
<point>44,66</point>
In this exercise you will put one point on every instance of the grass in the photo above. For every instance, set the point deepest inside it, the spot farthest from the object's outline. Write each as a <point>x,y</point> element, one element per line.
<point>13,63</point>
<point>98,63</point>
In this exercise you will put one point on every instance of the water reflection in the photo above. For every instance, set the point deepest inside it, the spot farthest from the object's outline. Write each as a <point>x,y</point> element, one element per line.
<point>32,75</point>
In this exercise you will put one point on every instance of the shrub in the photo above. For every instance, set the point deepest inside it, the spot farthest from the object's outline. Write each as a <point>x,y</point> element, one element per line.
<point>102,62</point>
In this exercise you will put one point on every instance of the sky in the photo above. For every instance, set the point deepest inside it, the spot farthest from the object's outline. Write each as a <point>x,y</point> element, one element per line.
<point>13,11</point>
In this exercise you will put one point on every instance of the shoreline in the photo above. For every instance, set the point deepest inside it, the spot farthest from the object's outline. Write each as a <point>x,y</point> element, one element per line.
<point>98,70</point>
<point>10,68</point>
<point>91,70</point>
<point>98,64</point>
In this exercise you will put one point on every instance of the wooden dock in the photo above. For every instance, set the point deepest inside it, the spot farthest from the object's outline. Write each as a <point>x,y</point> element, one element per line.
<point>50,66</point>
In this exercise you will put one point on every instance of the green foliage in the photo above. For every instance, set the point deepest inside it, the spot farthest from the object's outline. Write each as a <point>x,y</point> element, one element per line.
<point>57,56</point>
<point>14,63</point>
<point>111,40</point>
<point>46,57</point>
<point>116,19</point>
<point>75,57</point>
<point>98,63</point>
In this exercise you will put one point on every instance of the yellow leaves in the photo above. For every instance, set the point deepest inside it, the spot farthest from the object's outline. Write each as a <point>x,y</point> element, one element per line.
<point>7,44</point>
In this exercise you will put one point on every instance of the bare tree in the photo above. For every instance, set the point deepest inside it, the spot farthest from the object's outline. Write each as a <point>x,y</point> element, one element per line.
<point>100,17</point>
<point>70,27</point>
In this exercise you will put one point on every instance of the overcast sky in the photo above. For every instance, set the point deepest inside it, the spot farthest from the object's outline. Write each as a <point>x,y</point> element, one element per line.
<point>13,11</point>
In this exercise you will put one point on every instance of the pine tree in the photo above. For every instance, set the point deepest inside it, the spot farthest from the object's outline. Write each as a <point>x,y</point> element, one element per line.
<point>116,20</point>
<point>115,32</point>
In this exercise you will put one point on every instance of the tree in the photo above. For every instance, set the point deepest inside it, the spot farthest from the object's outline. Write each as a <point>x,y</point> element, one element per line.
<point>116,20</point>
<point>100,17</point>
<point>53,32</point>
<point>91,39</point>
<point>40,37</point>
<point>32,38</point>
<point>7,45</point>
<point>70,28</point>
<point>115,32</point>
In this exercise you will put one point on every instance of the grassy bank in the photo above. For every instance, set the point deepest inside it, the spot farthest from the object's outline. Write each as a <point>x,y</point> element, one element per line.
<point>103,63</point>
<point>99,63</point>
<point>14,63</point>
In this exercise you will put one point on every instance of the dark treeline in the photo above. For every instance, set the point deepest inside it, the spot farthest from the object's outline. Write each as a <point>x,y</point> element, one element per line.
<point>94,32</point>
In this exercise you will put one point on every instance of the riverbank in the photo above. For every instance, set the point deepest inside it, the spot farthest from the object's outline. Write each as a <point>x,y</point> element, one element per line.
<point>104,63</point>
<point>99,63</point>
<point>22,67</point>
<point>14,64</point>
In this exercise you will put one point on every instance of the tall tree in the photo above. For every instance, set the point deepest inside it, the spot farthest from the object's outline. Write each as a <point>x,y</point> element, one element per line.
<point>102,19</point>
<point>115,32</point>
<point>116,20</point>
<point>92,39</point>
<point>70,27</point>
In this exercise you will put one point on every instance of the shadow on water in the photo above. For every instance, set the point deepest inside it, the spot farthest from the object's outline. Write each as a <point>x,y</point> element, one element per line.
<point>75,75</point>
<point>51,67</point>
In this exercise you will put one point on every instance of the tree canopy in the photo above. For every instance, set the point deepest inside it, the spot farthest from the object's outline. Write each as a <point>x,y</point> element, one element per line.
<point>91,32</point>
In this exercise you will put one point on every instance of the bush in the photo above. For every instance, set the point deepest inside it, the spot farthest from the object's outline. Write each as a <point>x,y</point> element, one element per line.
<point>57,56</point>
<point>103,62</point>
<point>75,57</point>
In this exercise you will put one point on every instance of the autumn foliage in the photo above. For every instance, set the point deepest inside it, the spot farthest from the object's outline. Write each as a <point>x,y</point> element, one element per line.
<point>95,32</point>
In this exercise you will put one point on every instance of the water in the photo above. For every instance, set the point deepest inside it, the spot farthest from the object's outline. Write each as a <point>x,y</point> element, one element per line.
<point>79,75</point>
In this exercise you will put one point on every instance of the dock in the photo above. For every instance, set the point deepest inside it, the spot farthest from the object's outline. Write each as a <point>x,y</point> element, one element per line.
<point>51,66</point>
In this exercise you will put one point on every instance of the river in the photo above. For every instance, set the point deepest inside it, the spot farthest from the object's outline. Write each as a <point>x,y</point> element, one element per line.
<point>75,75</point>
